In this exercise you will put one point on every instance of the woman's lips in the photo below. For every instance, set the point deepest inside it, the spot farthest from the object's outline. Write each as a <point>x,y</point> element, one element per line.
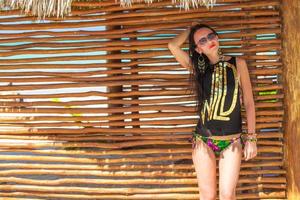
<point>211,46</point>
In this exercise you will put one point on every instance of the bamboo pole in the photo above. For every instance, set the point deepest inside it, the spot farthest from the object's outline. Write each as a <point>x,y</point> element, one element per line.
<point>291,58</point>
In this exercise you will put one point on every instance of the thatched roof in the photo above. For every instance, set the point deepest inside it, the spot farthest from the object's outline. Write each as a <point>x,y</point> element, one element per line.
<point>61,8</point>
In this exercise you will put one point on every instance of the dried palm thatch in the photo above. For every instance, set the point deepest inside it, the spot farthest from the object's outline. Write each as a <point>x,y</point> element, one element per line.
<point>40,8</point>
<point>61,8</point>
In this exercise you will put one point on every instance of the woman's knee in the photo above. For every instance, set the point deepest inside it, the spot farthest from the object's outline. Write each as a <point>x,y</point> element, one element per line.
<point>208,195</point>
<point>227,195</point>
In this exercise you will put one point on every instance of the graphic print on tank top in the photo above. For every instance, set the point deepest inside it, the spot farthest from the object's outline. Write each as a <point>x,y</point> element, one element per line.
<point>221,111</point>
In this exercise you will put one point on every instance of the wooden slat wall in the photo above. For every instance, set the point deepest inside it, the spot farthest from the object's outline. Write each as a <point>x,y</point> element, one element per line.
<point>93,113</point>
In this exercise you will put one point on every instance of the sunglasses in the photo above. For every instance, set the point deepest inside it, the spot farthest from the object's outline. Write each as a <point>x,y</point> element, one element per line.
<point>204,40</point>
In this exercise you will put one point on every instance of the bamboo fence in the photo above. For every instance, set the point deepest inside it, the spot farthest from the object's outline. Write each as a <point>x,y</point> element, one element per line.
<point>94,106</point>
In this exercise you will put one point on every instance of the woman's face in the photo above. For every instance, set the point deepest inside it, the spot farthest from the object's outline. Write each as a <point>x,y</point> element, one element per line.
<point>206,42</point>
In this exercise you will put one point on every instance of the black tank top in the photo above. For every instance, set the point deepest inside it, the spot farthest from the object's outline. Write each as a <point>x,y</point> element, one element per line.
<point>221,111</point>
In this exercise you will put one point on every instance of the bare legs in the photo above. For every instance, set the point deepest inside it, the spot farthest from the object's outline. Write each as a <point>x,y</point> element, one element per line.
<point>205,166</point>
<point>229,167</point>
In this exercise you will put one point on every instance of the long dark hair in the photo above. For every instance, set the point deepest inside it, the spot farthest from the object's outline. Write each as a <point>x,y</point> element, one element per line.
<point>196,78</point>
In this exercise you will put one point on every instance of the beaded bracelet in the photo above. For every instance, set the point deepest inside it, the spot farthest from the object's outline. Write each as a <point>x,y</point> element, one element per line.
<point>249,137</point>
<point>251,134</point>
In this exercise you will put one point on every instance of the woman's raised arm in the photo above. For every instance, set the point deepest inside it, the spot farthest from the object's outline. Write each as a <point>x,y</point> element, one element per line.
<point>181,56</point>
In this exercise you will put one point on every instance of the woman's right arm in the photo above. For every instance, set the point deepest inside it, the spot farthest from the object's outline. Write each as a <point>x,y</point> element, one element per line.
<point>181,56</point>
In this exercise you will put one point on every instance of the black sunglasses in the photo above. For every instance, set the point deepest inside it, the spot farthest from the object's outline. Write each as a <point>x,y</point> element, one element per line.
<point>204,40</point>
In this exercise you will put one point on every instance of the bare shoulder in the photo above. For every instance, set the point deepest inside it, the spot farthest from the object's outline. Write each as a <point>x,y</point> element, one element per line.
<point>241,62</point>
<point>241,65</point>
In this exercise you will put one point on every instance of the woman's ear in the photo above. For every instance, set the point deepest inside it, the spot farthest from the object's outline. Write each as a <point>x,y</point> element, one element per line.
<point>198,50</point>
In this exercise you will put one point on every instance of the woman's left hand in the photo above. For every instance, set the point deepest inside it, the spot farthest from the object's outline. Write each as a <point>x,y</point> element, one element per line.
<point>250,150</point>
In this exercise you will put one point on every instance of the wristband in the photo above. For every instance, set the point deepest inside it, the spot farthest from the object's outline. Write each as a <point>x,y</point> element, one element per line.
<point>249,137</point>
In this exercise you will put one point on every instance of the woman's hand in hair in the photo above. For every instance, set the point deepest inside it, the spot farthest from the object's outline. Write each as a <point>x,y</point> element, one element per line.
<point>194,23</point>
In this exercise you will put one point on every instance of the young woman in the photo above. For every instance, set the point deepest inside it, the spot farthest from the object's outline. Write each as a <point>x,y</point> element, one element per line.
<point>219,82</point>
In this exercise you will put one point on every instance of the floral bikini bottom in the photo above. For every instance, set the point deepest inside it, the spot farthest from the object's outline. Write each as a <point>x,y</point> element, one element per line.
<point>215,144</point>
